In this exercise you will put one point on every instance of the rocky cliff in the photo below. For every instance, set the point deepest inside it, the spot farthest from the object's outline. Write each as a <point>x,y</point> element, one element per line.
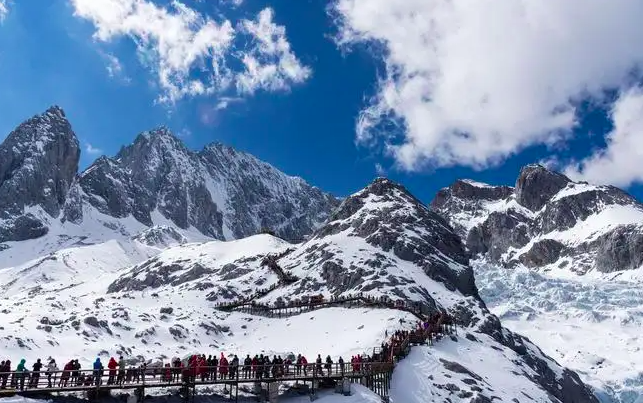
<point>217,192</point>
<point>38,162</point>
<point>547,221</point>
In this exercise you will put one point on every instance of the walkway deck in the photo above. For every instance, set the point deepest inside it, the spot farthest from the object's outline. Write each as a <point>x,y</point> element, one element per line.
<point>368,372</point>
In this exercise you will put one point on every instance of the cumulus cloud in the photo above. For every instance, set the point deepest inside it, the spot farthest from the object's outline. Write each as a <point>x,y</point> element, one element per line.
<point>471,82</point>
<point>90,149</point>
<point>269,63</point>
<point>189,52</point>
<point>4,10</point>
<point>179,39</point>
<point>621,162</point>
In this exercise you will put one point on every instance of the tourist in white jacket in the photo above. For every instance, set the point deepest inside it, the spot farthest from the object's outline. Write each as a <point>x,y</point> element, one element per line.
<point>52,371</point>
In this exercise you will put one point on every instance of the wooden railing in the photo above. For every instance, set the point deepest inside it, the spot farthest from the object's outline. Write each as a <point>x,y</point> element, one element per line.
<point>86,379</point>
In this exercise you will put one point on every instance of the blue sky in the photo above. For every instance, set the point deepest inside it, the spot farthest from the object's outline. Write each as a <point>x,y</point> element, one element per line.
<point>343,108</point>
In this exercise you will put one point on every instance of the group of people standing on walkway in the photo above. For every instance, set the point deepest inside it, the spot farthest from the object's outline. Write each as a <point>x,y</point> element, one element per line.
<point>204,369</point>
<point>71,375</point>
<point>194,368</point>
<point>17,378</point>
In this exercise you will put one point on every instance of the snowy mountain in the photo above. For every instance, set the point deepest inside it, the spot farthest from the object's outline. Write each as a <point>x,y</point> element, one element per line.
<point>547,222</point>
<point>156,182</point>
<point>381,241</point>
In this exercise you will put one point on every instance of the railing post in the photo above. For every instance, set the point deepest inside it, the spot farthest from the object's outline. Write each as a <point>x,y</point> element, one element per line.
<point>236,396</point>
<point>313,382</point>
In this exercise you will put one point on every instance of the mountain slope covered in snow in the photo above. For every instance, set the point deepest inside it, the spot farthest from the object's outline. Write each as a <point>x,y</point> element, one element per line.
<point>154,184</point>
<point>547,222</point>
<point>380,242</point>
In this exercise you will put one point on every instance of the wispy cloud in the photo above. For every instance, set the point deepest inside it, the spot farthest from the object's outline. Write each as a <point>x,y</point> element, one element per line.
<point>379,169</point>
<point>115,69</point>
<point>209,113</point>
<point>269,64</point>
<point>4,9</point>
<point>90,149</point>
<point>184,132</point>
<point>234,3</point>
<point>177,42</point>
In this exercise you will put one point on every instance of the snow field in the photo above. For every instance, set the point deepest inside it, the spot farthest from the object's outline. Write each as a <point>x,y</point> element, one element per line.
<point>592,326</point>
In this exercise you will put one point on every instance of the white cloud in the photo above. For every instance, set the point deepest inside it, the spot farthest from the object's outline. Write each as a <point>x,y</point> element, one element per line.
<point>209,114</point>
<point>188,51</point>
<point>224,102</point>
<point>90,149</point>
<point>115,68</point>
<point>471,82</point>
<point>621,162</point>
<point>179,40</point>
<point>234,3</point>
<point>269,63</point>
<point>4,10</point>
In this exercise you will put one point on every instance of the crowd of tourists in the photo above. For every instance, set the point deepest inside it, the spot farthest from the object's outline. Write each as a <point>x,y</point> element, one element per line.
<point>193,369</point>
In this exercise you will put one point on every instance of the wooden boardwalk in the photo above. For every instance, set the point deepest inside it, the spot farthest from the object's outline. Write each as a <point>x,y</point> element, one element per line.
<point>375,375</point>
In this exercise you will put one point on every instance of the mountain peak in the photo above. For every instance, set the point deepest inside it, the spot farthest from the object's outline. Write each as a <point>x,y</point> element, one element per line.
<point>536,185</point>
<point>391,221</point>
<point>38,162</point>
<point>56,111</point>
<point>382,185</point>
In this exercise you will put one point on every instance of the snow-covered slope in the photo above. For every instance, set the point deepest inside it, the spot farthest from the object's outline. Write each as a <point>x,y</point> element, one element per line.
<point>593,326</point>
<point>547,222</point>
<point>381,241</point>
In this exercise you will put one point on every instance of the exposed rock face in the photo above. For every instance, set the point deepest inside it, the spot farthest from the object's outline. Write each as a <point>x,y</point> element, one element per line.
<point>536,185</point>
<point>163,236</point>
<point>38,162</point>
<point>222,193</point>
<point>546,221</point>
<point>217,192</point>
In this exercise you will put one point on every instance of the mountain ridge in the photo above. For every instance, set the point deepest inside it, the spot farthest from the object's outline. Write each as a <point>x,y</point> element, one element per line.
<point>547,221</point>
<point>218,191</point>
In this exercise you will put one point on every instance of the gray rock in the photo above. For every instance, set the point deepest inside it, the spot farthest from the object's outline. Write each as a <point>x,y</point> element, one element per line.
<point>38,162</point>
<point>536,185</point>
<point>495,225</point>
<point>546,251</point>
<point>158,172</point>
<point>223,193</point>
<point>620,249</point>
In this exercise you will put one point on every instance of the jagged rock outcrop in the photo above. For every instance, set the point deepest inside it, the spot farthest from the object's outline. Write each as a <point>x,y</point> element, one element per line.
<point>38,162</point>
<point>546,221</point>
<point>160,236</point>
<point>218,192</point>
<point>222,193</point>
<point>536,185</point>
